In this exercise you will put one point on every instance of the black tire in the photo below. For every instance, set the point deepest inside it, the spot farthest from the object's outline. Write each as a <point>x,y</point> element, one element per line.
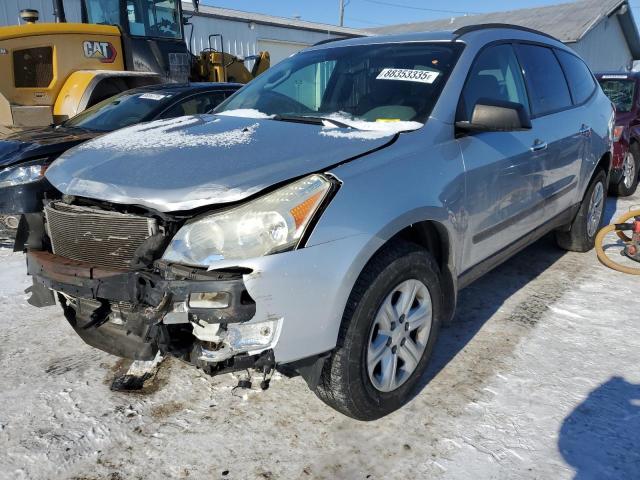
<point>622,189</point>
<point>345,384</point>
<point>578,239</point>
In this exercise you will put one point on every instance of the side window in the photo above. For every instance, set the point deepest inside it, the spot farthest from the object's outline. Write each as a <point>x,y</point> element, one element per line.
<point>547,85</point>
<point>195,105</point>
<point>495,75</point>
<point>580,79</point>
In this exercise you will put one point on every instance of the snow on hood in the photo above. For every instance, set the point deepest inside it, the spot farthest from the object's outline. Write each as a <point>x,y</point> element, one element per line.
<point>170,134</point>
<point>189,162</point>
<point>365,130</point>
<point>245,113</point>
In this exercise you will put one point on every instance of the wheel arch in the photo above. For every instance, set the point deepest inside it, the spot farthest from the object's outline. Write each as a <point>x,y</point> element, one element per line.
<point>434,238</point>
<point>605,163</point>
<point>431,233</point>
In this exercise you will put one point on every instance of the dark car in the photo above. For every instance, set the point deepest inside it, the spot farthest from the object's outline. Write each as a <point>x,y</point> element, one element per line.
<point>26,154</point>
<point>622,89</point>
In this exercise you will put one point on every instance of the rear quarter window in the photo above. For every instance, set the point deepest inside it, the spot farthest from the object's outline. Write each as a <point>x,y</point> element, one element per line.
<point>548,89</point>
<point>581,81</point>
<point>620,91</point>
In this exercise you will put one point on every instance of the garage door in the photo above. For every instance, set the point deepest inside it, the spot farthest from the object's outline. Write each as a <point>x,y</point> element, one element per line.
<point>279,50</point>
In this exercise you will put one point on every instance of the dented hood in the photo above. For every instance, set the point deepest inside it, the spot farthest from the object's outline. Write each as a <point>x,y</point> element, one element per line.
<point>189,162</point>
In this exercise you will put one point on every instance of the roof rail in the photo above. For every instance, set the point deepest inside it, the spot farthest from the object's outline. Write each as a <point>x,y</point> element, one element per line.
<point>328,40</point>
<point>484,26</point>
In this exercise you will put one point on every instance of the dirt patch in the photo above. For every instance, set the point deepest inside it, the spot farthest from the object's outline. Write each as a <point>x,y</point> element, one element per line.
<point>166,409</point>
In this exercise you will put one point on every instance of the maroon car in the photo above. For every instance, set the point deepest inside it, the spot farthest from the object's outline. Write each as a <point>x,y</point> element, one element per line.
<point>622,89</point>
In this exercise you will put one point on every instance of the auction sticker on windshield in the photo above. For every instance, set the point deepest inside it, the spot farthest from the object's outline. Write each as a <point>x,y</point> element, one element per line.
<point>407,75</point>
<point>153,96</point>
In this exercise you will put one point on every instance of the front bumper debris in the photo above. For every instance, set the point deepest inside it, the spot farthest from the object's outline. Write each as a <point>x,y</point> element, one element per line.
<point>135,314</point>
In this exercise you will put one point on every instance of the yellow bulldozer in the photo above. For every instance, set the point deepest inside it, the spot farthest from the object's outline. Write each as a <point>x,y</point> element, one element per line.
<point>52,71</point>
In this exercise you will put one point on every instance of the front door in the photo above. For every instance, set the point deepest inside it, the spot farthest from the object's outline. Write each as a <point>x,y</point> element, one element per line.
<point>504,170</point>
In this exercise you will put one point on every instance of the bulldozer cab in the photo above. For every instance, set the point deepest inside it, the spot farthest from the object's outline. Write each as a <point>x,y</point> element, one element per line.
<point>152,34</point>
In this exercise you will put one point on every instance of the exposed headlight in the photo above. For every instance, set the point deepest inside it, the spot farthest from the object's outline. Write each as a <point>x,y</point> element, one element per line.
<point>269,224</point>
<point>21,174</point>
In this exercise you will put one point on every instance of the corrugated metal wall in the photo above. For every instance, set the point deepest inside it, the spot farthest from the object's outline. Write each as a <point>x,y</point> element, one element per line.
<point>9,10</point>
<point>605,47</point>
<point>241,37</point>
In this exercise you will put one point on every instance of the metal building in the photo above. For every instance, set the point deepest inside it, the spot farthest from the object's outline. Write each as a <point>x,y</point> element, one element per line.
<point>603,32</point>
<point>246,33</point>
<point>243,33</point>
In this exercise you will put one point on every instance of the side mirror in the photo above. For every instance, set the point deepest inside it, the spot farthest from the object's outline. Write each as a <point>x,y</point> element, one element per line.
<point>496,116</point>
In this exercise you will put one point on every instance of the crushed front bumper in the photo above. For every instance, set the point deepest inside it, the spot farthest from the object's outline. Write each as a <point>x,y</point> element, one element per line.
<point>133,314</point>
<point>283,308</point>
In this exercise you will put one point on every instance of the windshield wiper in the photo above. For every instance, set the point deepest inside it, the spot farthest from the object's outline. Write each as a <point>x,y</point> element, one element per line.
<point>311,120</point>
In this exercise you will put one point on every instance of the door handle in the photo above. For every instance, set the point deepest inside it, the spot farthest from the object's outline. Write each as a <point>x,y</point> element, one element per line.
<point>585,130</point>
<point>539,146</point>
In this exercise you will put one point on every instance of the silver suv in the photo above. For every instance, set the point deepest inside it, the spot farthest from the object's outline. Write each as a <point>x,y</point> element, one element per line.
<point>322,221</point>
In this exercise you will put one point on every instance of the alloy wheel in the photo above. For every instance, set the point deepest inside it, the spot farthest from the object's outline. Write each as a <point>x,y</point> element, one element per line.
<point>629,169</point>
<point>596,207</point>
<point>399,335</point>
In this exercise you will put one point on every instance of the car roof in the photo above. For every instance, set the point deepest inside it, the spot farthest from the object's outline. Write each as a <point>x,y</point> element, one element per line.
<point>497,30</point>
<point>180,88</point>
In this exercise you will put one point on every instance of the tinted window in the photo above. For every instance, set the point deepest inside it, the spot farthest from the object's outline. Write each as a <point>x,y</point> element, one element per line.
<point>579,76</point>
<point>548,88</point>
<point>194,105</point>
<point>495,75</point>
<point>120,111</point>
<point>103,12</point>
<point>620,92</point>
<point>158,18</point>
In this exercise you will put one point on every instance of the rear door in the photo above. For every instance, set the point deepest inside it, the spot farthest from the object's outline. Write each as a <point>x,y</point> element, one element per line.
<point>503,175</point>
<point>559,126</point>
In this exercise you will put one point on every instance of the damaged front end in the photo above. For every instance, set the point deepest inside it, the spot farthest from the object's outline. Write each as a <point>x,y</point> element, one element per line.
<point>104,266</point>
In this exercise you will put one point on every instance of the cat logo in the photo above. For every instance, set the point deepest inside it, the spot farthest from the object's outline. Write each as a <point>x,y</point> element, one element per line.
<point>103,51</point>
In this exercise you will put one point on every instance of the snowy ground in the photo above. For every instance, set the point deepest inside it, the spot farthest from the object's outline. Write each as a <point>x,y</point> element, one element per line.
<point>538,378</point>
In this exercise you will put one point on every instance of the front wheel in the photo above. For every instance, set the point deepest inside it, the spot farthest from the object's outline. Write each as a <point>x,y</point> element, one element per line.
<point>387,334</point>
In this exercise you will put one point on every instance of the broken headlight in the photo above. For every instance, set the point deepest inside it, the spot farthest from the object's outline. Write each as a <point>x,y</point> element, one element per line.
<point>272,223</point>
<point>21,174</point>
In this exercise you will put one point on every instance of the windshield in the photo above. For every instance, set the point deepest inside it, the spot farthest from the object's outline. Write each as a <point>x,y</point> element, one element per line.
<point>145,18</point>
<point>620,92</point>
<point>368,83</point>
<point>120,111</point>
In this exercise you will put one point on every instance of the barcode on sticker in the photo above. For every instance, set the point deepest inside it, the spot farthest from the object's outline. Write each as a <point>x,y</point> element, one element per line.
<point>422,76</point>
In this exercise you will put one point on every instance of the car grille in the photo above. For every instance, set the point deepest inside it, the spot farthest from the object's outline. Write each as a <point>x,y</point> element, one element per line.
<point>99,237</point>
<point>33,67</point>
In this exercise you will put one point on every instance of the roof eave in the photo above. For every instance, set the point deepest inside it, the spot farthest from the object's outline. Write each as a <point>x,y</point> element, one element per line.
<point>630,29</point>
<point>248,17</point>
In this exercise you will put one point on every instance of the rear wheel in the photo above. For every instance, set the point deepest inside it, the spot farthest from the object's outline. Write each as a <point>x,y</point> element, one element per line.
<point>387,334</point>
<point>581,236</point>
<point>630,168</point>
